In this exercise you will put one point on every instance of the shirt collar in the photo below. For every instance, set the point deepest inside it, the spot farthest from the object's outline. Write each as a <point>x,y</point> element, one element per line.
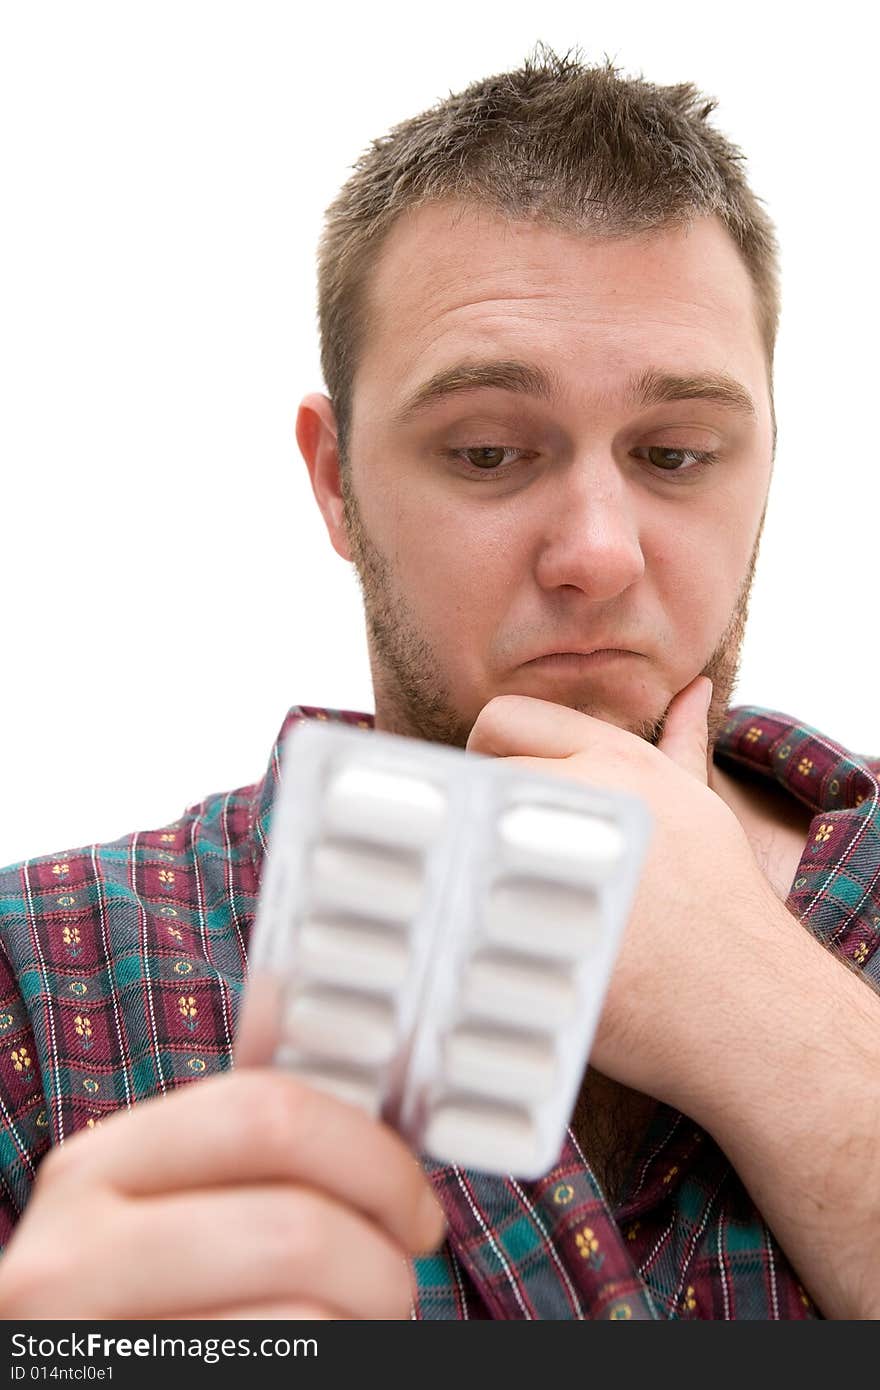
<point>263,799</point>
<point>834,886</point>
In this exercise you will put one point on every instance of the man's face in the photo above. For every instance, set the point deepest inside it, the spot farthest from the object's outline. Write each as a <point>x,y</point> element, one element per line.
<point>592,521</point>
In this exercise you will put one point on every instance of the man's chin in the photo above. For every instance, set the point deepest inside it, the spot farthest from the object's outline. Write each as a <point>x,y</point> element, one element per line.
<point>649,728</point>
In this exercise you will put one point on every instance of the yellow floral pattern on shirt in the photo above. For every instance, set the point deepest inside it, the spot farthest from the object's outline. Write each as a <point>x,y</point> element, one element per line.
<point>189,1009</point>
<point>587,1244</point>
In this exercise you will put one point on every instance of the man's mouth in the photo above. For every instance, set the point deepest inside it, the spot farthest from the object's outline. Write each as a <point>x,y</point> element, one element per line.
<point>573,662</point>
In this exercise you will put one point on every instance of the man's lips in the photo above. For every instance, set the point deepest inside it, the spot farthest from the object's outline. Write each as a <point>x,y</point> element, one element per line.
<point>574,660</point>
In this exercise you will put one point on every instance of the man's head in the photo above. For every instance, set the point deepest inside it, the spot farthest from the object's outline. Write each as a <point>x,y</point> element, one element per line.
<point>541,302</point>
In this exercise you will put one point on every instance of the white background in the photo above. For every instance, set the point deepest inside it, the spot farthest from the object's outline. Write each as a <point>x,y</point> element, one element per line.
<point>168,588</point>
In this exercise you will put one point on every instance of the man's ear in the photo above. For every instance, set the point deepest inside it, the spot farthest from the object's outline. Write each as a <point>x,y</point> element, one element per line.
<point>316,436</point>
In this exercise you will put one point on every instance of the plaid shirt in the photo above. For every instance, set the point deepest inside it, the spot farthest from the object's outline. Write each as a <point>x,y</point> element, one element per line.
<point>121,972</point>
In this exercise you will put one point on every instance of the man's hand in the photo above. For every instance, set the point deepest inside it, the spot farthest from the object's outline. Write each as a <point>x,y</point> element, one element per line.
<point>700,880</point>
<point>249,1195</point>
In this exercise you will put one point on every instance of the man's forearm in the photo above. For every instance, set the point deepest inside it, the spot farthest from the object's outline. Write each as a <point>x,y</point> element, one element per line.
<point>789,1086</point>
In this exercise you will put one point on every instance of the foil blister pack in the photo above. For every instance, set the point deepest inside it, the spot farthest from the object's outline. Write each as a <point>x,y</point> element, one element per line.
<point>440,929</point>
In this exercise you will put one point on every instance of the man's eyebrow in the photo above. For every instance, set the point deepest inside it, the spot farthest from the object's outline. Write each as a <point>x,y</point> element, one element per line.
<point>654,387</point>
<point>521,377</point>
<point>649,387</point>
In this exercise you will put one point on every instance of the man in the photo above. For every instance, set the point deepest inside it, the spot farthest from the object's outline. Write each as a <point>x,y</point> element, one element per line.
<point>548,309</point>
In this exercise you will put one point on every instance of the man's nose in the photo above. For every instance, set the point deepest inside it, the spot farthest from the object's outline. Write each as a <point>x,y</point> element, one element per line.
<point>590,534</point>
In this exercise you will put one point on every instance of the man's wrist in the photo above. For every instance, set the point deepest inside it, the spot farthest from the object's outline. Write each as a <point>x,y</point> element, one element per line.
<point>712,994</point>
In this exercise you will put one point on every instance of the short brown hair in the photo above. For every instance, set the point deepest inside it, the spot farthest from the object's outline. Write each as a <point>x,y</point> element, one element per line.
<point>555,141</point>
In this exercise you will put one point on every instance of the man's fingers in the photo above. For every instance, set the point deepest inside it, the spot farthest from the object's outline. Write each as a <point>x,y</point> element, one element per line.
<point>235,1247</point>
<point>257,1125</point>
<point>522,726</point>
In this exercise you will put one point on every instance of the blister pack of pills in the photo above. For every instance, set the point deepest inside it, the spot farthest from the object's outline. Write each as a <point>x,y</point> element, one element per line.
<point>441,928</point>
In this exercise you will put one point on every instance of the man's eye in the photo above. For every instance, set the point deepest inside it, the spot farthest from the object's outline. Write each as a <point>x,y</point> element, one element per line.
<point>676,460</point>
<point>488,458</point>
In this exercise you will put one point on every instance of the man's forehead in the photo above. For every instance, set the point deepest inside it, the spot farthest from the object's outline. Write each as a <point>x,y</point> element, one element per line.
<point>444,246</point>
<point>454,283</point>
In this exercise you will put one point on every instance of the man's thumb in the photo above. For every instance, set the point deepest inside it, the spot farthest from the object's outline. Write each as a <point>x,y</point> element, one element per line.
<point>686,732</point>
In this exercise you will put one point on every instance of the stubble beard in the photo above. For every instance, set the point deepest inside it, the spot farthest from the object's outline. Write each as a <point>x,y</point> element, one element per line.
<point>411,692</point>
